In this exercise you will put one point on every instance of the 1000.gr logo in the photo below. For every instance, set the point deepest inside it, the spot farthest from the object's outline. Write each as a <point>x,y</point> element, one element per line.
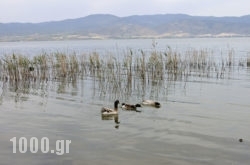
<point>44,145</point>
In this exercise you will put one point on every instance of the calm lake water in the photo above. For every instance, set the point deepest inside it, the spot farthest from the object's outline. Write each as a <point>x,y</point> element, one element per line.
<point>200,121</point>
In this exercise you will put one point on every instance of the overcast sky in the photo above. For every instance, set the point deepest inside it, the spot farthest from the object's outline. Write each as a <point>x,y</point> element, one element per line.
<point>51,10</point>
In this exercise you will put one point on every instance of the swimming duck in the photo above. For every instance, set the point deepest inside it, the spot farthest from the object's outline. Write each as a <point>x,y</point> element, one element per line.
<point>110,111</point>
<point>151,103</point>
<point>130,107</point>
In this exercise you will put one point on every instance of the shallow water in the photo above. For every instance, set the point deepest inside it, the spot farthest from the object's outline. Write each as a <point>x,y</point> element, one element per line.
<point>220,46</point>
<point>200,121</point>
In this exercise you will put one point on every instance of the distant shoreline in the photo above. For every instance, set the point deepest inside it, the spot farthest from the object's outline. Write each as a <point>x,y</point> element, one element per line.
<point>105,26</point>
<point>66,38</point>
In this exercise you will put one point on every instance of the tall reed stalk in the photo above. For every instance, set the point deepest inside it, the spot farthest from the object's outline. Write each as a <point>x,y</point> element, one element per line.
<point>113,73</point>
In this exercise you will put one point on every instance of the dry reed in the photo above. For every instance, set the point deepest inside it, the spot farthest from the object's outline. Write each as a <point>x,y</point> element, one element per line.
<point>148,67</point>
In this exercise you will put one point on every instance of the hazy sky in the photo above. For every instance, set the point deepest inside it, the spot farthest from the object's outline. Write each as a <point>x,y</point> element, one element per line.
<point>48,10</point>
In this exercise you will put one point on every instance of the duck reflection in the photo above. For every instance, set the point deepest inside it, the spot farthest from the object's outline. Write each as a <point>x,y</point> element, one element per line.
<point>112,117</point>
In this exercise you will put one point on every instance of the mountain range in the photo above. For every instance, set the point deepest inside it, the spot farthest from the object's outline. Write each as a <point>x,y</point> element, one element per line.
<point>102,26</point>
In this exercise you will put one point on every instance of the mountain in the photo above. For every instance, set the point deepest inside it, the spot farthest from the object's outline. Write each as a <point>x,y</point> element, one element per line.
<point>144,26</point>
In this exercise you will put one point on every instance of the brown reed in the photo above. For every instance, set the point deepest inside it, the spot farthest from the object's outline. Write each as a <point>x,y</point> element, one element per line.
<point>152,67</point>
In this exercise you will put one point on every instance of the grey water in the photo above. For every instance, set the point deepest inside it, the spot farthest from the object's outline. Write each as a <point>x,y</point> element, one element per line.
<point>200,120</point>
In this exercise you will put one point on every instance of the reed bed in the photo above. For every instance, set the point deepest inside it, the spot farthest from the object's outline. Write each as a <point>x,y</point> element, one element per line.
<point>151,67</point>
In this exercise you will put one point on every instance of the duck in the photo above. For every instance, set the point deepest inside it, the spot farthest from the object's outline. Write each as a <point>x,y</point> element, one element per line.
<point>110,111</point>
<point>130,106</point>
<point>151,103</point>
<point>31,68</point>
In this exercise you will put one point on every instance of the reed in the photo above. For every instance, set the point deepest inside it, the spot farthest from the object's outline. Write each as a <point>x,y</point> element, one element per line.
<point>16,67</point>
<point>117,76</point>
<point>41,66</point>
<point>151,67</point>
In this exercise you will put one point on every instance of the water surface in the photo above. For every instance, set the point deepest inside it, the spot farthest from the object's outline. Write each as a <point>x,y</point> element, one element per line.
<point>200,121</point>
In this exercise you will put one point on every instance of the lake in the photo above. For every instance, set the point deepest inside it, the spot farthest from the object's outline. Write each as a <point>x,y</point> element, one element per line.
<point>202,119</point>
